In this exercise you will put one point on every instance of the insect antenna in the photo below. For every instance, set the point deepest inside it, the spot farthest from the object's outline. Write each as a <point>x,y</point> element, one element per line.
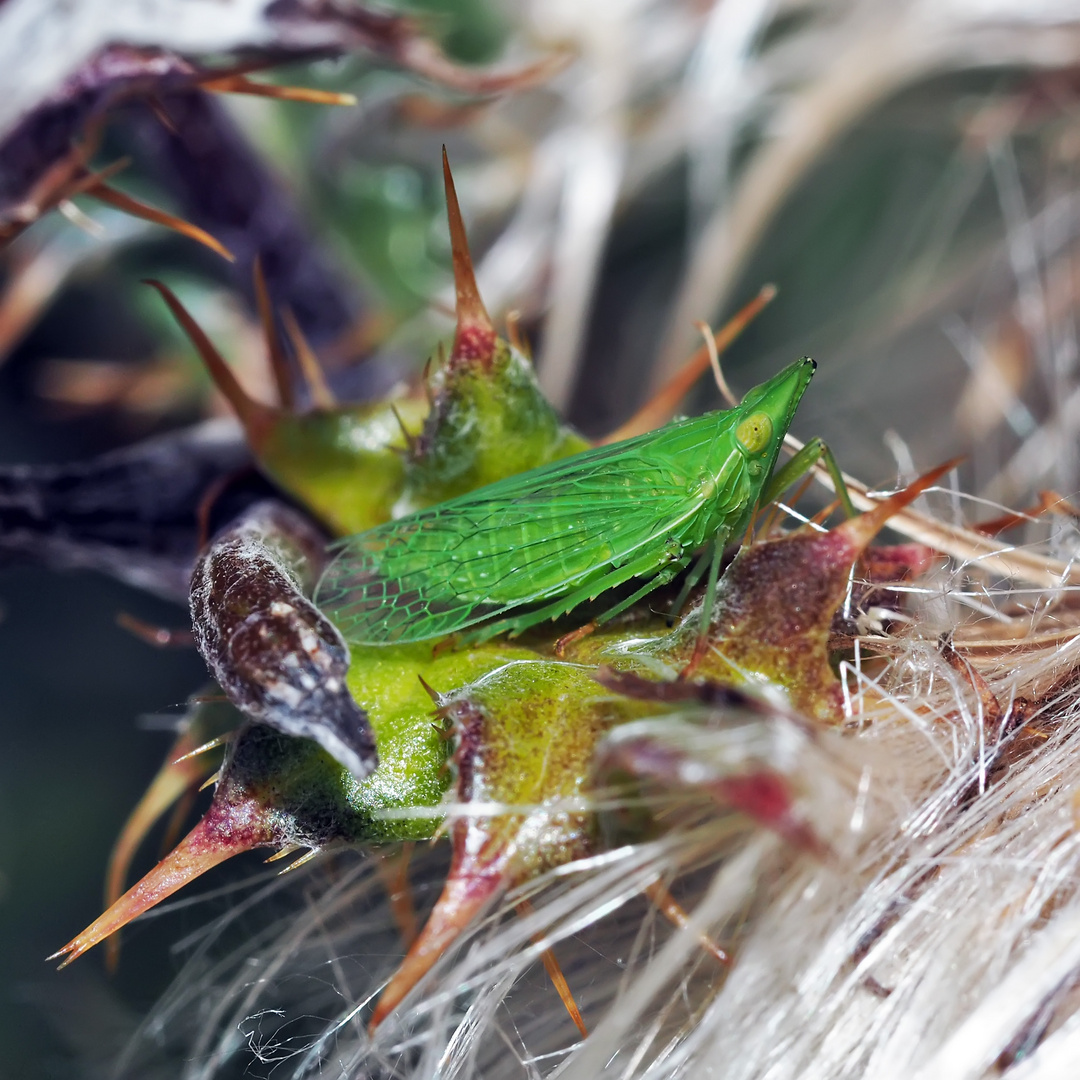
<point>714,362</point>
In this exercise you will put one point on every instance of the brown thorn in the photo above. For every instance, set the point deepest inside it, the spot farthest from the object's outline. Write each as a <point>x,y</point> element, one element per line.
<point>425,382</point>
<point>322,396</point>
<point>410,439</point>
<point>210,780</point>
<point>1050,502</point>
<point>160,637</point>
<point>176,821</point>
<point>430,691</point>
<point>279,365</point>
<point>992,713</point>
<point>558,980</point>
<point>394,870</point>
<point>240,84</point>
<point>701,647</point>
<point>863,528</point>
<point>663,405</point>
<point>670,908</point>
<point>820,517</point>
<point>474,337</point>
<point>774,513</point>
<point>129,205</point>
<point>92,179</point>
<point>258,419</point>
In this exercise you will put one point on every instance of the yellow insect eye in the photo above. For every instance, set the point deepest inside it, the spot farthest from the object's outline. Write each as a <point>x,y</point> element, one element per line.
<point>754,433</point>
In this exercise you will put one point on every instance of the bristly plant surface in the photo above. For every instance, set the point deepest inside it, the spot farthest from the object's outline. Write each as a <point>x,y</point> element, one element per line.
<point>519,724</point>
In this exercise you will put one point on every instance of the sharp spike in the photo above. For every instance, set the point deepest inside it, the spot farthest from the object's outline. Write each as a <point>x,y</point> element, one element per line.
<point>279,365</point>
<point>430,691</point>
<point>410,439</point>
<point>663,405</point>
<point>863,528</point>
<point>168,786</point>
<point>555,974</point>
<point>322,397</point>
<point>202,848</point>
<point>212,744</point>
<point>240,84</point>
<point>161,637</point>
<point>258,419</point>
<point>297,863</point>
<point>670,908</point>
<point>394,871</point>
<point>513,332</point>
<point>425,382</point>
<point>474,338</point>
<point>210,780</point>
<point>121,201</point>
<point>461,901</point>
<point>284,853</point>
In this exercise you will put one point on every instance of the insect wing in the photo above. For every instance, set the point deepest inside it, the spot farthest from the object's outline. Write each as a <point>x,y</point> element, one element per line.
<point>520,541</point>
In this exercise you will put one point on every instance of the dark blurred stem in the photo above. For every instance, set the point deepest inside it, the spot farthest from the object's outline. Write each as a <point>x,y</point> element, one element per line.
<point>220,183</point>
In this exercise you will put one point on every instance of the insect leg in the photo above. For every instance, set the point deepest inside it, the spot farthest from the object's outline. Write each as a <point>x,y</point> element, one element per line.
<point>707,606</point>
<point>813,452</point>
<point>662,578</point>
<point>691,580</point>
<point>616,576</point>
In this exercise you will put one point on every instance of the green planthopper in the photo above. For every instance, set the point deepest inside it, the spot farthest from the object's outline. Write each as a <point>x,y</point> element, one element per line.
<point>537,545</point>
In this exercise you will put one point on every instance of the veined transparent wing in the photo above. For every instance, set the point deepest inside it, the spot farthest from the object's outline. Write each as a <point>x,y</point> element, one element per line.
<point>525,540</point>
